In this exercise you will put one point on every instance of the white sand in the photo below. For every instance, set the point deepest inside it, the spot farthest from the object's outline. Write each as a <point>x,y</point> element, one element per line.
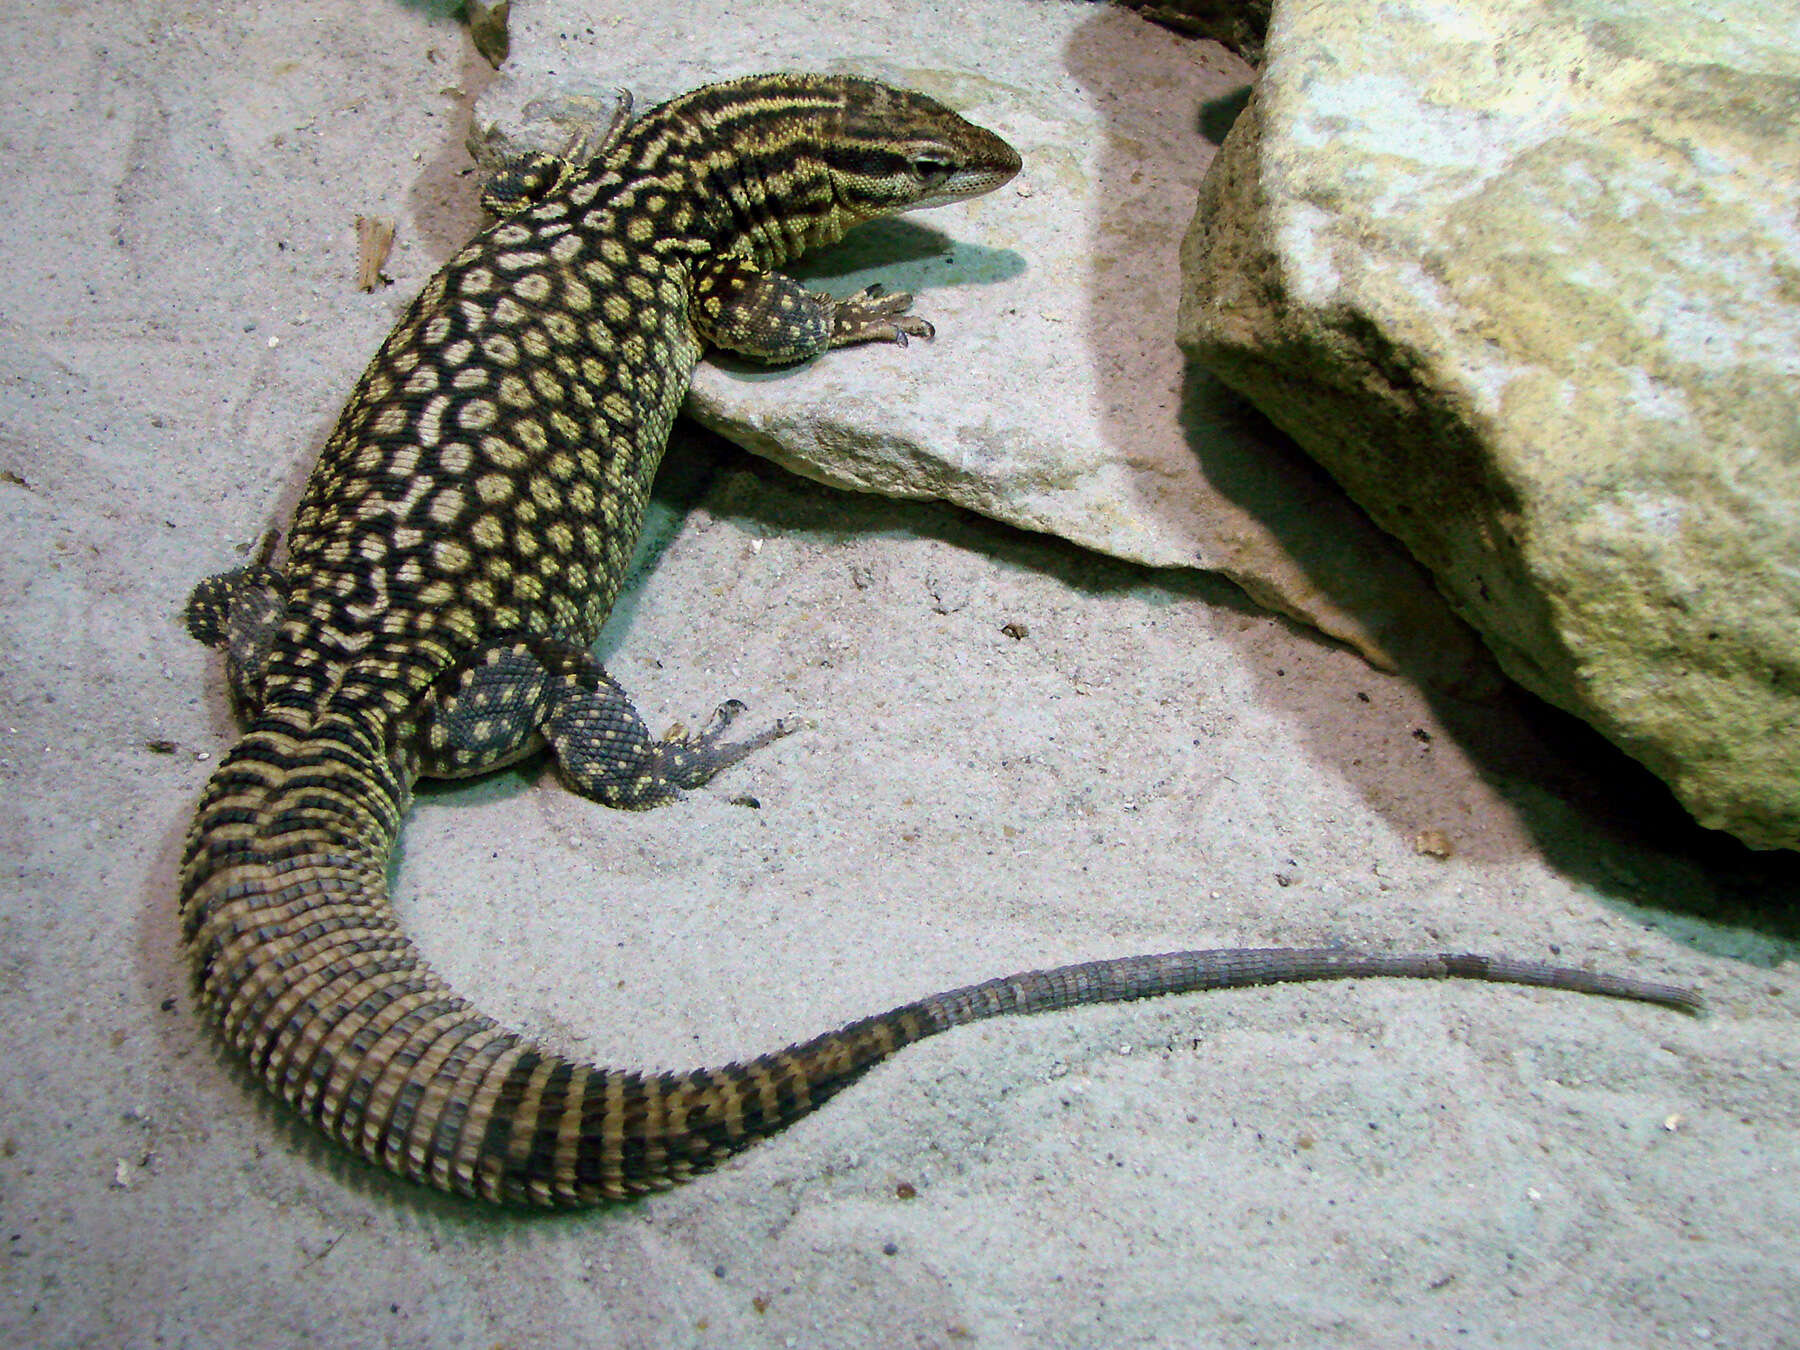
<point>1154,765</point>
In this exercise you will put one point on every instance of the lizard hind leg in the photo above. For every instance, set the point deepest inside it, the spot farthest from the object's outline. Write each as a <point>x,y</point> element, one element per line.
<point>605,752</point>
<point>517,695</point>
<point>486,712</point>
<point>688,760</point>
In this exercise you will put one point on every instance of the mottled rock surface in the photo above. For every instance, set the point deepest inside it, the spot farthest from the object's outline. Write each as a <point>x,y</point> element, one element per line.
<point>1054,396</point>
<point>1528,284</point>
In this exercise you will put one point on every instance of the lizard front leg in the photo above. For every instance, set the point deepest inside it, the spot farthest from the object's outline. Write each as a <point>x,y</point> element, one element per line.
<point>773,318</point>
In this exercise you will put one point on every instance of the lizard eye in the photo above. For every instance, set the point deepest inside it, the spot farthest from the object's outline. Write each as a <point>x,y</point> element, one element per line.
<point>932,171</point>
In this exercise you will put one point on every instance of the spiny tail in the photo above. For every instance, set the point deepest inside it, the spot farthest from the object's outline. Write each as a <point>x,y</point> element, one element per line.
<point>297,954</point>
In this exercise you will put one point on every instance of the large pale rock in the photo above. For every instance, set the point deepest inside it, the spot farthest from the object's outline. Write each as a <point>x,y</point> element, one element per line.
<point>1526,278</point>
<point>1054,396</point>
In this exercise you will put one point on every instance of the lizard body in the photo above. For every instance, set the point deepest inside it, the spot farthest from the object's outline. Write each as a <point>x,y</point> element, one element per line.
<point>454,553</point>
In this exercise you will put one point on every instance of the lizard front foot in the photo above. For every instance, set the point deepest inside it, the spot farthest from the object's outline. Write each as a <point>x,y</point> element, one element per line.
<point>873,315</point>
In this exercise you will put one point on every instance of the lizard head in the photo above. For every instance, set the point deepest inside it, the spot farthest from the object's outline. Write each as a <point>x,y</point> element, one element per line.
<point>793,161</point>
<point>889,150</point>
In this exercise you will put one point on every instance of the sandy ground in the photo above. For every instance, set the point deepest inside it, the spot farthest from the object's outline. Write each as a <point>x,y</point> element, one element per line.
<point>1154,764</point>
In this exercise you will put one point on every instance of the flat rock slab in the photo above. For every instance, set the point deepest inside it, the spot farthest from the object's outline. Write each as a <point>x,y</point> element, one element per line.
<point>1526,283</point>
<point>1054,396</point>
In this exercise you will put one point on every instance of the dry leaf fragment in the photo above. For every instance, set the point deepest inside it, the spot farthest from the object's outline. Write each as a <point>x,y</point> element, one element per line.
<point>374,240</point>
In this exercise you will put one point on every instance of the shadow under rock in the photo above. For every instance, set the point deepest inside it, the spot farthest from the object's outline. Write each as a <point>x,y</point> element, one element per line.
<point>1216,116</point>
<point>1603,819</point>
<point>699,462</point>
<point>1595,814</point>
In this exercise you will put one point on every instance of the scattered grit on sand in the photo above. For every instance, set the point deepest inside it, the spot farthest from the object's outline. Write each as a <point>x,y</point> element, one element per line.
<point>1142,762</point>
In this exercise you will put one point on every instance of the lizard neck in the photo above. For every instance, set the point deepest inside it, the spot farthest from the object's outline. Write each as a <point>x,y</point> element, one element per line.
<point>731,170</point>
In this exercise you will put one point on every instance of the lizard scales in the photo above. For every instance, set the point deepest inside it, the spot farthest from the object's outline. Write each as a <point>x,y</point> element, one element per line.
<point>455,551</point>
